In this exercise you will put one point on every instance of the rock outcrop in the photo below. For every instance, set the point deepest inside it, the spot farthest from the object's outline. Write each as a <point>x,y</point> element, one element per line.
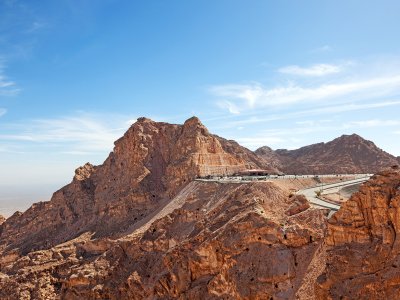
<point>364,243</point>
<point>139,227</point>
<point>149,164</point>
<point>225,241</point>
<point>346,154</point>
<point>2,219</point>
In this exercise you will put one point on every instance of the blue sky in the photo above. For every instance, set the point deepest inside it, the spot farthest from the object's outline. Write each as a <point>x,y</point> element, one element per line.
<point>75,74</point>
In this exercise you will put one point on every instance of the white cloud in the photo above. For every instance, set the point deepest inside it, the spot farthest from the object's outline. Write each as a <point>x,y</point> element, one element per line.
<point>312,122</point>
<point>80,134</point>
<point>262,116</point>
<point>7,87</point>
<point>324,48</point>
<point>35,26</point>
<point>3,111</point>
<point>372,123</point>
<point>251,96</point>
<point>314,70</point>
<point>231,107</point>
<point>249,93</point>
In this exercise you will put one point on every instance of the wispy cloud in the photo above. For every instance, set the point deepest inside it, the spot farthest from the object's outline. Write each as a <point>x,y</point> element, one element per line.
<point>262,116</point>
<point>314,70</point>
<point>292,135</point>
<point>79,134</point>
<point>7,86</point>
<point>371,123</point>
<point>298,86</point>
<point>324,48</point>
<point>3,111</point>
<point>36,26</point>
<point>252,96</point>
<point>231,107</point>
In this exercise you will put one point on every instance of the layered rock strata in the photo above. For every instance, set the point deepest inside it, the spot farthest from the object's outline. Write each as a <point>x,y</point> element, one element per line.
<point>221,241</point>
<point>364,243</point>
<point>149,165</point>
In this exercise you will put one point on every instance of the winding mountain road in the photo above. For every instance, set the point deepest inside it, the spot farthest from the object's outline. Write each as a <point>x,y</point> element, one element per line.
<point>311,193</point>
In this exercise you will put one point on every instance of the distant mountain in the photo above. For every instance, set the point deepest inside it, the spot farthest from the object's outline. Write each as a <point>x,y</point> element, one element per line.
<point>345,154</point>
<point>270,157</point>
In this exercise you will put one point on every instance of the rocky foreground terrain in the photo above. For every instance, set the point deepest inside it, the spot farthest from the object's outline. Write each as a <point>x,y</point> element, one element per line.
<point>139,227</point>
<point>347,154</point>
<point>363,240</point>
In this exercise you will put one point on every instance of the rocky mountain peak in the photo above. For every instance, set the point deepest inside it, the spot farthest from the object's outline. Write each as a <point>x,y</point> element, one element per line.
<point>144,120</point>
<point>264,150</point>
<point>2,219</point>
<point>345,154</point>
<point>351,136</point>
<point>352,139</point>
<point>84,172</point>
<point>152,162</point>
<point>194,125</point>
<point>140,227</point>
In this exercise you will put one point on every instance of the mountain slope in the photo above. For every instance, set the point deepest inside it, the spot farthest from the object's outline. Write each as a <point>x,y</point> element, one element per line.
<point>149,164</point>
<point>222,241</point>
<point>139,227</point>
<point>346,154</point>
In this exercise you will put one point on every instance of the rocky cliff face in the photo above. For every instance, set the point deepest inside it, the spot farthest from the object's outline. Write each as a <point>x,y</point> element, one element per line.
<point>149,164</point>
<point>364,244</point>
<point>139,227</point>
<point>346,154</point>
<point>216,241</point>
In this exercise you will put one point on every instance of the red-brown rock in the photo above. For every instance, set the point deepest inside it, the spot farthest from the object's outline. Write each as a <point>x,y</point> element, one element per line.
<point>364,245</point>
<point>139,227</point>
<point>347,154</point>
<point>231,241</point>
<point>149,164</point>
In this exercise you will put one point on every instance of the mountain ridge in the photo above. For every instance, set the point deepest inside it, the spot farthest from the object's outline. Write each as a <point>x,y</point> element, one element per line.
<point>345,154</point>
<point>150,162</point>
<point>139,226</point>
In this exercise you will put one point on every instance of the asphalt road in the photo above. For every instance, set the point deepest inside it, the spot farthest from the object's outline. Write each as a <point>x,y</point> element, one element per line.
<point>311,195</point>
